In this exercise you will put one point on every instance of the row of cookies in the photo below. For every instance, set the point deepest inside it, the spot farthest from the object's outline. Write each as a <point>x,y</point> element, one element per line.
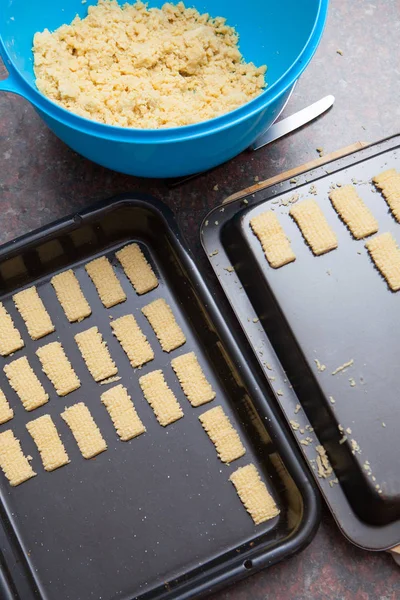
<point>70,295</point>
<point>321,238</point>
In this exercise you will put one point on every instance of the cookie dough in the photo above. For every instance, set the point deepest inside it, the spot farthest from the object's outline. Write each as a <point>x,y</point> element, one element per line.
<point>134,66</point>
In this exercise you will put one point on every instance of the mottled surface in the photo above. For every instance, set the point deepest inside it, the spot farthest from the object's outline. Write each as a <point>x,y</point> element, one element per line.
<point>42,180</point>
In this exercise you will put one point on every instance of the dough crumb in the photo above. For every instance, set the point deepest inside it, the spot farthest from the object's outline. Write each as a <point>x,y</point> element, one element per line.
<point>150,68</point>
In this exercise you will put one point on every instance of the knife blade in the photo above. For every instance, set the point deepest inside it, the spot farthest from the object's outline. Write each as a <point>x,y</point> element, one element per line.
<point>276,131</point>
<point>285,126</point>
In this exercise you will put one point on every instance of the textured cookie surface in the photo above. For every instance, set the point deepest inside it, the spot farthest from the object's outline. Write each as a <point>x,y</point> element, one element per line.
<point>95,354</point>
<point>137,269</point>
<point>161,398</point>
<point>254,495</point>
<point>273,239</point>
<point>58,368</point>
<point>84,429</point>
<point>70,296</point>
<point>13,462</point>
<point>223,435</point>
<point>48,442</point>
<point>192,379</point>
<point>10,338</point>
<point>123,413</point>
<point>162,320</point>
<point>33,312</point>
<point>352,210</point>
<point>6,412</point>
<point>106,282</point>
<point>385,253</point>
<point>314,227</point>
<point>132,340</point>
<point>24,382</point>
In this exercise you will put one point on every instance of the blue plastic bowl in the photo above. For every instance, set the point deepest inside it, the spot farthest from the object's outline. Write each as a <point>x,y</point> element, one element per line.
<point>283,34</point>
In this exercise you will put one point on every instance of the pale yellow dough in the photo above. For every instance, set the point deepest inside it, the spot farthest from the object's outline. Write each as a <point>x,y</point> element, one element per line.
<point>134,66</point>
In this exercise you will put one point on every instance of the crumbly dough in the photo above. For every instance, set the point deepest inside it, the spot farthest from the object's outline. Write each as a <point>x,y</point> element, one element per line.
<point>33,312</point>
<point>84,429</point>
<point>13,462</point>
<point>10,338</point>
<point>58,368</point>
<point>314,226</point>
<point>132,340</point>
<point>137,269</point>
<point>192,379</point>
<point>223,435</point>
<point>148,68</point>
<point>385,253</point>
<point>95,354</point>
<point>162,320</point>
<point>70,296</point>
<point>25,383</point>
<point>48,442</point>
<point>6,412</point>
<point>106,282</point>
<point>123,413</point>
<point>254,494</point>
<point>273,239</point>
<point>324,467</point>
<point>161,398</point>
<point>352,210</point>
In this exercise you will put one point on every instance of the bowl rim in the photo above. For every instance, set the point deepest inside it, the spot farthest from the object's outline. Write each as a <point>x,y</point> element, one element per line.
<point>24,88</point>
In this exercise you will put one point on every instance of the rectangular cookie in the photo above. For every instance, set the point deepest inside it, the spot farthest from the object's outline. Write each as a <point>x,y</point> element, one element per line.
<point>58,369</point>
<point>132,340</point>
<point>70,296</point>
<point>391,187</point>
<point>33,312</point>
<point>383,177</point>
<point>6,412</point>
<point>314,227</point>
<point>48,442</point>
<point>123,413</point>
<point>223,435</point>
<point>106,282</point>
<point>386,255</point>
<point>352,210</point>
<point>161,398</point>
<point>162,320</point>
<point>273,239</point>
<point>84,429</point>
<point>95,354</point>
<point>137,269</point>
<point>13,462</point>
<point>25,383</point>
<point>192,379</point>
<point>254,495</point>
<point>10,338</point>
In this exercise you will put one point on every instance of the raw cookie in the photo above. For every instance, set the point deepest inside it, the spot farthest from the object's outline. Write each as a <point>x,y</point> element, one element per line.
<point>33,312</point>
<point>273,239</point>
<point>254,494</point>
<point>314,227</point>
<point>70,296</point>
<point>137,269</point>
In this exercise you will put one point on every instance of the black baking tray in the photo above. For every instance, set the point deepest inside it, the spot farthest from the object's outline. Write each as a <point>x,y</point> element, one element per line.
<point>312,316</point>
<point>156,517</point>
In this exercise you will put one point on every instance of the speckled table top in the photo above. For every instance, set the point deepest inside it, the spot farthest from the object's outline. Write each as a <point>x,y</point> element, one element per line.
<point>42,180</point>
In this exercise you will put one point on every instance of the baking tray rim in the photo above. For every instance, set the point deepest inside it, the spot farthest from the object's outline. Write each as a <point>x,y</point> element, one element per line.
<point>253,559</point>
